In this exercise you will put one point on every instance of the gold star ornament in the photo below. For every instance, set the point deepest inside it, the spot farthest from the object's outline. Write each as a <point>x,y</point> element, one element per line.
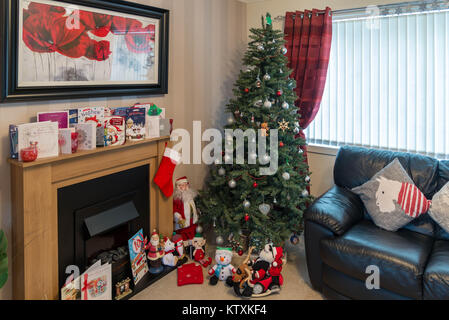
<point>283,125</point>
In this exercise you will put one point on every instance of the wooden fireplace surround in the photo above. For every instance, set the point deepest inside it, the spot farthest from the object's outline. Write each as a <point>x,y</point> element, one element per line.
<point>34,199</point>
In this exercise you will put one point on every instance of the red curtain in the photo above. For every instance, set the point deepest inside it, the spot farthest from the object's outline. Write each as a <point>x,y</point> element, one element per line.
<point>308,35</point>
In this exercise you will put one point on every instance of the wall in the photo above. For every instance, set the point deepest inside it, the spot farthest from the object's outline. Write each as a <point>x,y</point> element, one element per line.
<point>321,160</point>
<point>207,40</point>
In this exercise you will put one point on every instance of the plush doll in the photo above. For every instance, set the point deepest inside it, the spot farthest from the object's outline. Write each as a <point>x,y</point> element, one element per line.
<point>199,255</point>
<point>185,213</point>
<point>169,258</point>
<point>261,281</point>
<point>223,270</point>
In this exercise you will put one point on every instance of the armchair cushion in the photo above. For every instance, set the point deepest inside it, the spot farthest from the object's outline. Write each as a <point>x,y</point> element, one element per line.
<point>338,210</point>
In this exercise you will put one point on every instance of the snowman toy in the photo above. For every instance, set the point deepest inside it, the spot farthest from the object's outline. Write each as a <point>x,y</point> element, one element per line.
<point>223,270</point>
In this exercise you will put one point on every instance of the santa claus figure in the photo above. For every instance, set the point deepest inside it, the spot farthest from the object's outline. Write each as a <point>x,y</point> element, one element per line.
<point>276,267</point>
<point>184,209</point>
<point>155,253</point>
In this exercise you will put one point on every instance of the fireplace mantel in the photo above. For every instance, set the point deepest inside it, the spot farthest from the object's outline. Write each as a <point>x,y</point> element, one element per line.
<point>34,188</point>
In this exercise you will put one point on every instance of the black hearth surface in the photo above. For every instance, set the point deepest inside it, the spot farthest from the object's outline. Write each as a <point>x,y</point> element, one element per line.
<point>96,219</point>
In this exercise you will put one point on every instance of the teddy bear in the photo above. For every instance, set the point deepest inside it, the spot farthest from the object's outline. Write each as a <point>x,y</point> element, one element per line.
<point>223,270</point>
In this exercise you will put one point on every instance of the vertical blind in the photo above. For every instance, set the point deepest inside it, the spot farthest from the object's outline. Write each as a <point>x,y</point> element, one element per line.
<point>388,84</point>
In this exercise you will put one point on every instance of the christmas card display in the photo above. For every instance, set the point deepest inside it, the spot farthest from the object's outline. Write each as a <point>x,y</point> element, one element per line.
<point>45,134</point>
<point>65,141</point>
<point>86,135</point>
<point>138,257</point>
<point>191,273</point>
<point>135,124</point>
<point>114,131</point>
<point>61,117</point>
<point>94,115</point>
<point>96,283</point>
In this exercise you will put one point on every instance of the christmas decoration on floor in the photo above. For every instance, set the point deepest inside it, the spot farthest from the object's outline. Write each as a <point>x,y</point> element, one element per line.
<point>223,270</point>
<point>237,196</point>
<point>262,276</point>
<point>199,254</point>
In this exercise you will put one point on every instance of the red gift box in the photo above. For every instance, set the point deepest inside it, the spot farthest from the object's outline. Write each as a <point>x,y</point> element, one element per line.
<point>191,273</point>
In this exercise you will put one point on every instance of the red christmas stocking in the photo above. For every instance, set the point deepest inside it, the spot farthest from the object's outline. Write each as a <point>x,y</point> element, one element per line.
<point>164,175</point>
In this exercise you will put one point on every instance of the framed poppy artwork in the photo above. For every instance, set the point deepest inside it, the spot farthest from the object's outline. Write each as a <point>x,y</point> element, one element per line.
<point>60,49</point>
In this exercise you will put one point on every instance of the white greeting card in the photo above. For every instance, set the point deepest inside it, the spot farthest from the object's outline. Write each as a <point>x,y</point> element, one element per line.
<point>44,133</point>
<point>65,141</point>
<point>87,135</point>
<point>96,283</point>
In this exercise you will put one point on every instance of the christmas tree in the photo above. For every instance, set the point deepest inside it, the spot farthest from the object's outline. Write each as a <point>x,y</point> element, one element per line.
<point>238,200</point>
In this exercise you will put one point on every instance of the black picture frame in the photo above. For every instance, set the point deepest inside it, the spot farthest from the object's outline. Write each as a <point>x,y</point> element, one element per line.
<point>9,33</point>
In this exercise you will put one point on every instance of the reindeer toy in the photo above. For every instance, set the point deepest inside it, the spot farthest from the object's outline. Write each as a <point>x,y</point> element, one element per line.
<point>242,274</point>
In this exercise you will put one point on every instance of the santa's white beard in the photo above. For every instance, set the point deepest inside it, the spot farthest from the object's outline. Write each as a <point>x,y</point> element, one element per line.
<point>154,242</point>
<point>185,196</point>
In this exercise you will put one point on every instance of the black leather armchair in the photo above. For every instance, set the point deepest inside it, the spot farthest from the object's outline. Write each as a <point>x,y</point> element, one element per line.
<point>341,241</point>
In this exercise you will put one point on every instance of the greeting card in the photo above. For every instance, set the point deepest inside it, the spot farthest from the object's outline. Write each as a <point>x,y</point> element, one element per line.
<point>114,131</point>
<point>61,117</point>
<point>94,115</point>
<point>44,133</point>
<point>86,135</point>
<point>135,124</point>
<point>138,257</point>
<point>96,283</point>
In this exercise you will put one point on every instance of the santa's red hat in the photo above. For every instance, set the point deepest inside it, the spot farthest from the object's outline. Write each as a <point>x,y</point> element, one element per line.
<point>166,239</point>
<point>154,234</point>
<point>182,180</point>
<point>278,257</point>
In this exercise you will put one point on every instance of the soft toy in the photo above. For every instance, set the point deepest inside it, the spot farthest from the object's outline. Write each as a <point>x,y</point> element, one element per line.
<point>261,280</point>
<point>223,270</point>
<point>199,255</point>
<point>169,258</point>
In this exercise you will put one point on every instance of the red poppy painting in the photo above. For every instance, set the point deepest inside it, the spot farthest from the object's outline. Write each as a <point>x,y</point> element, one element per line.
<point>65,44</point>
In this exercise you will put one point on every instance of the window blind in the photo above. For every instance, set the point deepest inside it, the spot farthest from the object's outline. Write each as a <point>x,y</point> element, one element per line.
<point>388,82</point>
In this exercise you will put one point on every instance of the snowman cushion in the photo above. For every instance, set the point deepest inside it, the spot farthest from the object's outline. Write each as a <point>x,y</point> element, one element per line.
<point>391,198</point>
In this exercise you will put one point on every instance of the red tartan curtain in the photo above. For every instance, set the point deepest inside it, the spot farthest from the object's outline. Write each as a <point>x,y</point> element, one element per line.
<point>308,35</point>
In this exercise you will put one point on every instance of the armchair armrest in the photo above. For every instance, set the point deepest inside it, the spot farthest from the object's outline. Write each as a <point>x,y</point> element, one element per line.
<point>337,210</point>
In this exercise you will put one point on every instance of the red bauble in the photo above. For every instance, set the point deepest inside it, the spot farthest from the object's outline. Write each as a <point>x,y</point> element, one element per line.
<point>279,93</point>
<point>281,144</point>
<point>246,217</point>
<point>255,184</point>
<point>240,252</point>
<point>246,90</point>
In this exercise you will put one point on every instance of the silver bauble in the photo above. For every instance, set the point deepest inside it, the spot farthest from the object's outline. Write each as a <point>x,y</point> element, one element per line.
<point>305,193</point>
<point>266,77</point>
<point>267,104</point>
<point>199,229</point>
<point>286,176</point>
<point>285,105</point>
<point>219,240</point>
<point>246,204</point>
<point>258,83</point>
<point>284,50</point>
<point>232,184</point>
<point>307,179</point>
<point>221,172</point>
<point>300,151</point>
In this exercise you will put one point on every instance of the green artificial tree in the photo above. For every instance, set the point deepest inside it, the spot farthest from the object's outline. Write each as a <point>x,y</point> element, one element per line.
<point>237,199</point>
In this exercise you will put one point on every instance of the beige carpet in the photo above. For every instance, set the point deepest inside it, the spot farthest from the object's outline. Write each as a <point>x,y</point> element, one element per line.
<point>296,283</point>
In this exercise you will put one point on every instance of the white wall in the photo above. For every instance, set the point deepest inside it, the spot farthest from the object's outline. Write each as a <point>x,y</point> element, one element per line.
<point>207,39</point>
<point>321,160</point>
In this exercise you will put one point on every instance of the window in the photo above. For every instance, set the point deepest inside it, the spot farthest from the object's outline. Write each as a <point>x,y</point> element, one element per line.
<point>388,80</point>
